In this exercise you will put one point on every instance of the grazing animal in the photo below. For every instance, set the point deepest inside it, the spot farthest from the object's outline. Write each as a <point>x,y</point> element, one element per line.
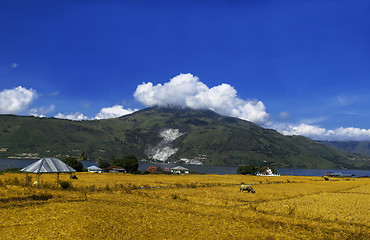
<point>246,187</point>
<point>73,177</point>
<point>326,179</point>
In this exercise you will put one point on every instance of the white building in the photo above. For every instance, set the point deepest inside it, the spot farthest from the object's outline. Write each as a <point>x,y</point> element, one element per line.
<point>179,169</point>
<point>94,169</point>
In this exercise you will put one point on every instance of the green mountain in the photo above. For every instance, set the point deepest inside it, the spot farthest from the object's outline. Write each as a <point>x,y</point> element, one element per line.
<point>169,134</point>
<point>360,147</point>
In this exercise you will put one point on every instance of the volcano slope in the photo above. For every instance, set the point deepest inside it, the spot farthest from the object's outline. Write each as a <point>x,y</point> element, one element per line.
<point>219,140</point>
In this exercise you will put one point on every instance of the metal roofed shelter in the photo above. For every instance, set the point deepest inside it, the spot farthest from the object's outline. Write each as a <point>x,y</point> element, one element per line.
<point>48,165</point>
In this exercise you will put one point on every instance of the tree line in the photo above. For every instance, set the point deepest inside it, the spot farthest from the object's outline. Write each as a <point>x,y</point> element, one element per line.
<point>128,162</point>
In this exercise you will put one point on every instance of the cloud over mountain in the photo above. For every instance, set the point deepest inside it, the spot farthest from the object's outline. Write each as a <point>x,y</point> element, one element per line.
<point>113,112</point>
<point>13,101</point>
<point>41,111</point>
<point>318,133</point>
<point>185,90</point>
<point>109,112</point>
<point>77,116</point>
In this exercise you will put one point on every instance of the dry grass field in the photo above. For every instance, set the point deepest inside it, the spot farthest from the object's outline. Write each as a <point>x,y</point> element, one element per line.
<point>124,206</point>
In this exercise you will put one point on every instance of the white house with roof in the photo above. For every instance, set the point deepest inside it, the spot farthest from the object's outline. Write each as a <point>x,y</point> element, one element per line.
<point>94,169</point>
<point>180,169</point>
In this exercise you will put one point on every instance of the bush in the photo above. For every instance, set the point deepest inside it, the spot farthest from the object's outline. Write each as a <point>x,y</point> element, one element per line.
<point>10,170</point>
<point>247,169</point>
<point>28,180</point>
<point>65,184</point>
<point>76,165</point>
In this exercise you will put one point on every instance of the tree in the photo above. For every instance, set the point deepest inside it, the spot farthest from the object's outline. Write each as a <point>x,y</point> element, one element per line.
<point>103,164</point>
<point>159,169</point>
<point>131,163</point>
<point>247,169</point>
<point>82,156</point>
<point>118,162</point>
<point>128,162</point>
<point>76,165</point>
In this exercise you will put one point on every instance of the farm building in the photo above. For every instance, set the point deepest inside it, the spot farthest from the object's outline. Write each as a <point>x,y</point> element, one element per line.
<point>114,169</point>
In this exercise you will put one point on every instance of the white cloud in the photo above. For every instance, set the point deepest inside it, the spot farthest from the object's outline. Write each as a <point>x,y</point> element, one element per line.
<point>173,93</point>
<point>14,65</point>
<point>110,112</point>
<point>303,129</point>
<point>346,100</point>
<point>314,120</point>
<point>113,112</point>
<point>185,90</point>
<point>284,115</point>
<point>41,111</point>
<point>318,133</point>
<point>52,94</point>
<point>349,133</point>
<point>73,116</point>
<point>85,104</point>
<point>16,100</point>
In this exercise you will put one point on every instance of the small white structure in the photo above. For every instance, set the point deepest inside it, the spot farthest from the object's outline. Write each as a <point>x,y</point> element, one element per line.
<point>268,173</point>
<point>179,169</point>
<point>94,169</point>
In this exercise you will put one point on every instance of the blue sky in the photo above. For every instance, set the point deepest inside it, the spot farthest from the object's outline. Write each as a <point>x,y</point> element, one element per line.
<point>300,67</point>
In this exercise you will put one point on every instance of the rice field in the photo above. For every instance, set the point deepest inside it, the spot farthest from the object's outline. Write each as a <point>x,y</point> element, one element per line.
<point>124,206</point>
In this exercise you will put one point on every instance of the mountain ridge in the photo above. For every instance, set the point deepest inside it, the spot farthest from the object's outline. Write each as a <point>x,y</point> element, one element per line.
<point>359,147</point>
<point>223,140</point>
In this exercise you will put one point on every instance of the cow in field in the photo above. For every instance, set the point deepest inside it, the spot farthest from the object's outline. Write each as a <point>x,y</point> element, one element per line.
<point>73,177</point>
<point>246,187</point>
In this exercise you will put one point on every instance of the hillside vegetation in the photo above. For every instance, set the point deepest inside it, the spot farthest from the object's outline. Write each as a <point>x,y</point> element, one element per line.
<point>223,140</point>
<point>360,147</point>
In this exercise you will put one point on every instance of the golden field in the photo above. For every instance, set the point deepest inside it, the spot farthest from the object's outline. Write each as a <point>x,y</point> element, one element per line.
<point>124,206</point>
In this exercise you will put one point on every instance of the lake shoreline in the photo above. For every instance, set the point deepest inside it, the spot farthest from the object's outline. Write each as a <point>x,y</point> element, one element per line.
<point>6,163</point>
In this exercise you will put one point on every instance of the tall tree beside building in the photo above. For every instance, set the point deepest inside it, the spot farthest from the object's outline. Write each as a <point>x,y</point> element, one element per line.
<point>128,162</point>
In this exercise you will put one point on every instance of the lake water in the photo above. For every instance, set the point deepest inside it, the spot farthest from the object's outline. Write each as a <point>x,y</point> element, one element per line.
<point>21,163</point>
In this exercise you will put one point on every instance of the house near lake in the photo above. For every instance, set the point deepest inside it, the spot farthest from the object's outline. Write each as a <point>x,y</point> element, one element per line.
<point>94,169</point>
<point>114,169</point>
<point>179,169</point>
<point>268,173</point>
